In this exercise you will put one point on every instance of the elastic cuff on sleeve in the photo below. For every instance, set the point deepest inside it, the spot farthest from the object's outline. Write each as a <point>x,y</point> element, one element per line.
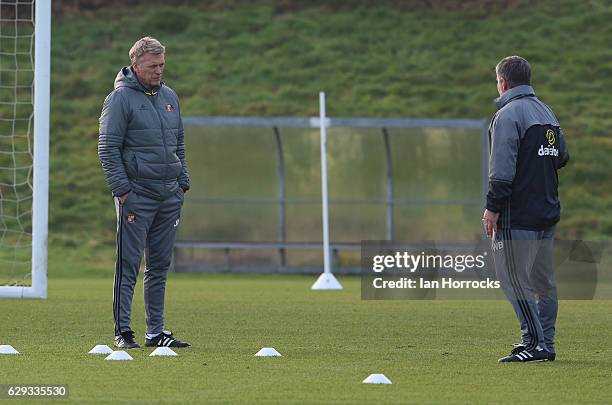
<point>121,191</point>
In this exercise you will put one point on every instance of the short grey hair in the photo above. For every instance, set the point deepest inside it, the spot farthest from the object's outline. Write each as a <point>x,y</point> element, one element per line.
<point>515,70</point>
<point>146,45</point>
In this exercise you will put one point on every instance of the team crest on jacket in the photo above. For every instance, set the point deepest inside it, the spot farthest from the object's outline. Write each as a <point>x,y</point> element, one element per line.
<point>131,218</point>
<point>169,107</point>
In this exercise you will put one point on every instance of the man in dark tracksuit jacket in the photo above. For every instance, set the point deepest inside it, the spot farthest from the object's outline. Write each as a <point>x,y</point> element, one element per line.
<point>142,151</point>
<point>527,148</point>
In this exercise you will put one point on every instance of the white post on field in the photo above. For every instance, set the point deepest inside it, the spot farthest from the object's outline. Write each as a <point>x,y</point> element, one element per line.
<point>40,197</point>
<point>326,281</point>
<point>40,203</point>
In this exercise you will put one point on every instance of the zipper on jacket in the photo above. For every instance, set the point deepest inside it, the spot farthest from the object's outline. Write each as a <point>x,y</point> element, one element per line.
<point>161,123</point>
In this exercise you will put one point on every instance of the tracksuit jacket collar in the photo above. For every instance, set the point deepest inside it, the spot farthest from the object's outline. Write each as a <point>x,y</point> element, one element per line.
<point>128,78</point>
<point>514,93</point>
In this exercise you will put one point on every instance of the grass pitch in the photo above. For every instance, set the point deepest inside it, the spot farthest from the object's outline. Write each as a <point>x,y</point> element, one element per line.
<point>433,351</point>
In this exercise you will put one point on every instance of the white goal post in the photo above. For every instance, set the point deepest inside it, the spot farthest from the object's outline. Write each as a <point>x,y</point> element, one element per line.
<point>40,183</point>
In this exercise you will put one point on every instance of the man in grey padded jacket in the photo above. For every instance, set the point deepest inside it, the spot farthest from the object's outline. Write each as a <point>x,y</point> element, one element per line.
<point>142,150</point>
<point>527,149</point>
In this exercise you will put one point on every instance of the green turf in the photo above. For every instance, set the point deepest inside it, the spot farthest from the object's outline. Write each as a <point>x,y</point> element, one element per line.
<point>433,351</point>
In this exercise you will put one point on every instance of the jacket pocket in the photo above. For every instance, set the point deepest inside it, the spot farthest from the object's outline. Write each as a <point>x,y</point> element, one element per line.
<point>150,170</point>
<point>131,166</point>
<point>174,170</point>
<point>135,166</point>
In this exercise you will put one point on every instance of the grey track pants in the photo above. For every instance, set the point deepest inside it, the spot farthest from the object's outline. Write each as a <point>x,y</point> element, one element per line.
<point>149,226</point>
<point>524,267</point>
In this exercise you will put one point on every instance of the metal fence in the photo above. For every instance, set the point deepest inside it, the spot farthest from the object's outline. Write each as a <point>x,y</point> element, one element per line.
<point>213,248</point>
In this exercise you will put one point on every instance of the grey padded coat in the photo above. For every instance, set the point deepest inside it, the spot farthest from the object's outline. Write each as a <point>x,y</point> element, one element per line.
<point>141,142</point>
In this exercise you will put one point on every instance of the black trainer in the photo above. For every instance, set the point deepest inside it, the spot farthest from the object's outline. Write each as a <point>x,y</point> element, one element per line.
<point>167,339</point>
<point>521,354</point>
<point>126,340</point>
<point>519,347</point>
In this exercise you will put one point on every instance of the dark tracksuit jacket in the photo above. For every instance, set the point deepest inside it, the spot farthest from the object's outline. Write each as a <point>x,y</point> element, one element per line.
<point>142,151</point>
<point>527,147</point>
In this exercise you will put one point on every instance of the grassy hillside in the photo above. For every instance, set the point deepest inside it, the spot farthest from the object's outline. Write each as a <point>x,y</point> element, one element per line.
<point>374,61</point>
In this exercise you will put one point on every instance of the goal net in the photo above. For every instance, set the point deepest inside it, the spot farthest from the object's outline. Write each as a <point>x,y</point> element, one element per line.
<point>24,142</point>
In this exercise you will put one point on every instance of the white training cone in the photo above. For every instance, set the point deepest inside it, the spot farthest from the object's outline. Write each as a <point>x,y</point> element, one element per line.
<point>267,351</point>
<point>8,349</point>
<point>100,349</point>
<point>377,379</point>
<point>119,355</point>
<point>163,351</point>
